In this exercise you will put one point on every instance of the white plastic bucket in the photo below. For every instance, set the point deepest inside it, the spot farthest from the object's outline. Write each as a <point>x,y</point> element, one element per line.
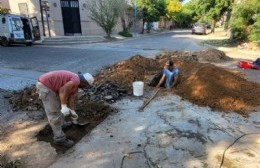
<point>138,88</point>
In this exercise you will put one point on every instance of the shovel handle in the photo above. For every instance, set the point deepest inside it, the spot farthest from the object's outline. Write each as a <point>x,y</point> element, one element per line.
<point>148,101</point>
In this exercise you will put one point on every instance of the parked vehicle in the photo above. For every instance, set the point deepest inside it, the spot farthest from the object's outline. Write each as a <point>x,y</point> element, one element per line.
<point>208,26</point>
<point>15,29</point>
<point>199,28</point>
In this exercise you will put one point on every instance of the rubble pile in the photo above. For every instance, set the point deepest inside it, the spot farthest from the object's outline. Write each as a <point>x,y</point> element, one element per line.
<point>28,100</point>
<point>212,55</point>
<point>105,92</point>
<point>208,55</point>
<point>25,100</point>
<point>89,110</point>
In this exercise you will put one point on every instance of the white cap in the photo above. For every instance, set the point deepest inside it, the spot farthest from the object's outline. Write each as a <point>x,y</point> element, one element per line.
<point>89,78</point>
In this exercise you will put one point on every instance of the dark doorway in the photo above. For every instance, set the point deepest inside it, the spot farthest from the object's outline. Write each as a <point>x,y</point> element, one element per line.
<point>71,17</point>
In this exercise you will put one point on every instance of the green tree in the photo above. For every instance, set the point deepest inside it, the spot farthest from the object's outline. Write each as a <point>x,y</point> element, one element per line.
<point>246,20</point>
<point>213,10</point>
<point>127,18</point>
<point>150,11</point>
<point>106,13</point>
<point>172,9</point>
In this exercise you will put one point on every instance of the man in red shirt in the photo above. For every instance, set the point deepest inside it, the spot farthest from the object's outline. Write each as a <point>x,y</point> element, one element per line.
<point>57,90</point>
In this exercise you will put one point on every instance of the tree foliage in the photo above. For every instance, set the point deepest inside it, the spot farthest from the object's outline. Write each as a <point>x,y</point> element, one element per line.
<point>173,7</point>
<point>246,20</point>
<point>213,9</point>
<point>150,11</point>
<point>106,13</point>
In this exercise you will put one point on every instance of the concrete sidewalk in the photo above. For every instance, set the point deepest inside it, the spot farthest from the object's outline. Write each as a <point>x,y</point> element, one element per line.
<point>64,40</point>
<point>169,133</point>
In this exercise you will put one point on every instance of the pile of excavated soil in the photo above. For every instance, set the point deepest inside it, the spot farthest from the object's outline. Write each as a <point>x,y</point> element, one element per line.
<point>201,83</point>
<point>208,55</point>
<point>125,72</point>
<point>25,100</point>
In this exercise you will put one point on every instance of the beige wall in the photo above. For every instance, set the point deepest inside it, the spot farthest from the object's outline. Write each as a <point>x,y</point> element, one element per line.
<point>5,3</point>
<point>88,27</point>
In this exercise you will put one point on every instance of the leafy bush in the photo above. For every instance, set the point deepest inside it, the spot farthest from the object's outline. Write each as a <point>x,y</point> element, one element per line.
<point>246,20</point>
<point>125,33</point>
<point>255,31</point>
<point>239,28</point>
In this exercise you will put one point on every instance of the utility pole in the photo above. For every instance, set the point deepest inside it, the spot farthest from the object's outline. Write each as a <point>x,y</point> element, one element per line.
<point>43,28</point>
<point>47,18</point>
<point>135,20</point>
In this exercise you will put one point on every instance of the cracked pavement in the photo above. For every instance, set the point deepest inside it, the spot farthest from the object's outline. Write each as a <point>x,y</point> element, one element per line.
<point>171,132</point>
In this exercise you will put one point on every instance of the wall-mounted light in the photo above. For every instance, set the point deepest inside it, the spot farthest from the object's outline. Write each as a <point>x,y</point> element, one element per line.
<point>55,4</point>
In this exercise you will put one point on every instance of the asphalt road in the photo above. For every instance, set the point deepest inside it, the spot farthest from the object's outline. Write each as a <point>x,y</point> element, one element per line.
<point>20,66</point>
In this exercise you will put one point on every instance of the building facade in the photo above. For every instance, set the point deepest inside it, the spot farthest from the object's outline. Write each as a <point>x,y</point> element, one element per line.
<point>58,17</point>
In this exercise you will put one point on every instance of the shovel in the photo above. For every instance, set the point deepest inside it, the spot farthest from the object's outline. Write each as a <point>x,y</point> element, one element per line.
<point>75,120</point>
<point>141,109</point>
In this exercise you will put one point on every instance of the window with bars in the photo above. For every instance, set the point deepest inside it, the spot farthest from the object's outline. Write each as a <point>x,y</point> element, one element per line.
<point>71,4</point>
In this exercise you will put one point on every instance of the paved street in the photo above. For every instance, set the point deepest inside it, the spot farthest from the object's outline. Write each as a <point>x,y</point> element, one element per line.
<point>20,65</point>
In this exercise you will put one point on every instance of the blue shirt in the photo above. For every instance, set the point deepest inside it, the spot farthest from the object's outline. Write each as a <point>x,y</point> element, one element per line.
<point>170,76</point>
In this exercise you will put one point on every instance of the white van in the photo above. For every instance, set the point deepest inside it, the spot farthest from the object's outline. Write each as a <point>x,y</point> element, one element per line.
<point>15,29</point>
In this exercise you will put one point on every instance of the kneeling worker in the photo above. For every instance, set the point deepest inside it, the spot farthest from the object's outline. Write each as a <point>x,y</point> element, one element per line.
<point>170,76</point>
<point>57,90</point>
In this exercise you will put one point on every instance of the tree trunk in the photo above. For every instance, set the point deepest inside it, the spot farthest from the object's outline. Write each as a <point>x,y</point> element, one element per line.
<point>123,23</point>
<point>227,19</point>
<point>130,24</point>
<point>143,27</point>
<point>231,38</point>
<point>213,25</point>
<point>172,24</point>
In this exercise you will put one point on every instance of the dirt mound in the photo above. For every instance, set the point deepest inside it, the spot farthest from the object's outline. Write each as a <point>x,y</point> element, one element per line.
<point>219,89</point>
<point>208,55</point>
<point>125,72</point>
<point>201,83</point>
<point>25,100</point>
<point>212,55</point>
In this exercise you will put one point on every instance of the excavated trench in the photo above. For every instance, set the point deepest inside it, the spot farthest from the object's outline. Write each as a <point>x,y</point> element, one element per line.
<point>203,84</point>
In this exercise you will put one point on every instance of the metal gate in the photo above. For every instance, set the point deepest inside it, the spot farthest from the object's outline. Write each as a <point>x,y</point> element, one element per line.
<point>71,17</point>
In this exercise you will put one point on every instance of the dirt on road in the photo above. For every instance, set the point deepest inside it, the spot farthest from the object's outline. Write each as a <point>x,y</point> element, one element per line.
<point>201,83</point>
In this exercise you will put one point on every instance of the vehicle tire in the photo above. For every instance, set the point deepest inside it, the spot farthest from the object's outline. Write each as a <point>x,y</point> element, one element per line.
<point>29,44</point>
<point>4,42</point>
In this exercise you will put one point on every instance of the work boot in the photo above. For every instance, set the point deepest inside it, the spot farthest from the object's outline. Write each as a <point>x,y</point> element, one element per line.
<point>66,143</point>
<point>66,124</point>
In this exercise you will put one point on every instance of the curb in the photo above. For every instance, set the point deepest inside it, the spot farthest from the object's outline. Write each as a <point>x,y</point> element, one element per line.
<point>118,38</point>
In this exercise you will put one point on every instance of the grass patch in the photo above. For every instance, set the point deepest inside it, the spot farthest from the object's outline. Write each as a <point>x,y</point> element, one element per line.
<point>125,34</point>
<point>221,43</point>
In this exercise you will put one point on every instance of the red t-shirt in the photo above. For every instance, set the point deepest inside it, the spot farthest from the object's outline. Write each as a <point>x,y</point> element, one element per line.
<point>56,79</point>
